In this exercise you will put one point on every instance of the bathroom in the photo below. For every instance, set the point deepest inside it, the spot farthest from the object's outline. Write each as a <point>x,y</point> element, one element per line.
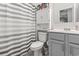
<point>39,29</point>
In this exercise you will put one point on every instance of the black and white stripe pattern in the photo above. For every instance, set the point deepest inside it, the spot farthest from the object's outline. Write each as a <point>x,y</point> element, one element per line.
<point>17,28</point>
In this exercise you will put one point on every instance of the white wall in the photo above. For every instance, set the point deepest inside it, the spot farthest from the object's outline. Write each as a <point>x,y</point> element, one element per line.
<point>55,23</point>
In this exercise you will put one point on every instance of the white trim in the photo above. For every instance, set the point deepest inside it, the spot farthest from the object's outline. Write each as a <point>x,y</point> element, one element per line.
<point>50,15</point>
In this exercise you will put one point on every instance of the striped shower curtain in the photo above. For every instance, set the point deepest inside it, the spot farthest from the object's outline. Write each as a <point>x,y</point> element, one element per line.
<point>17,28</point>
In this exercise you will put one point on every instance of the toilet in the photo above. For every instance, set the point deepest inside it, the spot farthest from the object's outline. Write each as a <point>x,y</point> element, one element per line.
<point>37,46</point>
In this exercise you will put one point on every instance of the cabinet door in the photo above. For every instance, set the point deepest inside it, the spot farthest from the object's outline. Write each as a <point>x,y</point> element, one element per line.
<point>74,50</point>
<point>39,16</point>
<point>56,48</point>
<point>43,16</point>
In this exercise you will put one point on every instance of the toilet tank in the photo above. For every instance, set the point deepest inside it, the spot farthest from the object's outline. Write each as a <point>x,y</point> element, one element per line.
<point>42,36</point>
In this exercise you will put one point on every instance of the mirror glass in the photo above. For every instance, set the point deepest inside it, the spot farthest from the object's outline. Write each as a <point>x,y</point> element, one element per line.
<point>66,15</point>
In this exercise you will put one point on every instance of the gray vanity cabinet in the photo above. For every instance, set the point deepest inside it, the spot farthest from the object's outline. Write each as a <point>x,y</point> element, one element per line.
<point>61,44</point>
<point>74,45</point>
<point>56,44</point>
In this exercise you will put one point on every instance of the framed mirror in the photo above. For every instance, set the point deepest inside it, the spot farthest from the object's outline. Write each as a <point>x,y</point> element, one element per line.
<point>66,15</point>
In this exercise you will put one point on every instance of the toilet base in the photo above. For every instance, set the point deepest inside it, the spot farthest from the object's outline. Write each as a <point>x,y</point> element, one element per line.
<point>37,53</point>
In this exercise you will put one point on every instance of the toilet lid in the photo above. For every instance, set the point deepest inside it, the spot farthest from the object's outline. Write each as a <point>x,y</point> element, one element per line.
<point>37,44</point>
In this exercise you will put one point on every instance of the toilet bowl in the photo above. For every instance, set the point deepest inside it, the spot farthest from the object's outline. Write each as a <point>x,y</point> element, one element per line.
<point>37,46</point>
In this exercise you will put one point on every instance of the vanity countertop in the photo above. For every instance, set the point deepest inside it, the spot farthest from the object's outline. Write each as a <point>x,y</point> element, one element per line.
<point>64,31</point>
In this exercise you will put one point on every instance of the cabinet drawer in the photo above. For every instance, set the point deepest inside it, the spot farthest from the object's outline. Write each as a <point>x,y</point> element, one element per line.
<point>74,38</point>
<point>56,36</point>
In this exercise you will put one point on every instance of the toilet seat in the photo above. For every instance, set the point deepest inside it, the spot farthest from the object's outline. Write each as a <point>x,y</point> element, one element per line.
<point>36,45</point>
